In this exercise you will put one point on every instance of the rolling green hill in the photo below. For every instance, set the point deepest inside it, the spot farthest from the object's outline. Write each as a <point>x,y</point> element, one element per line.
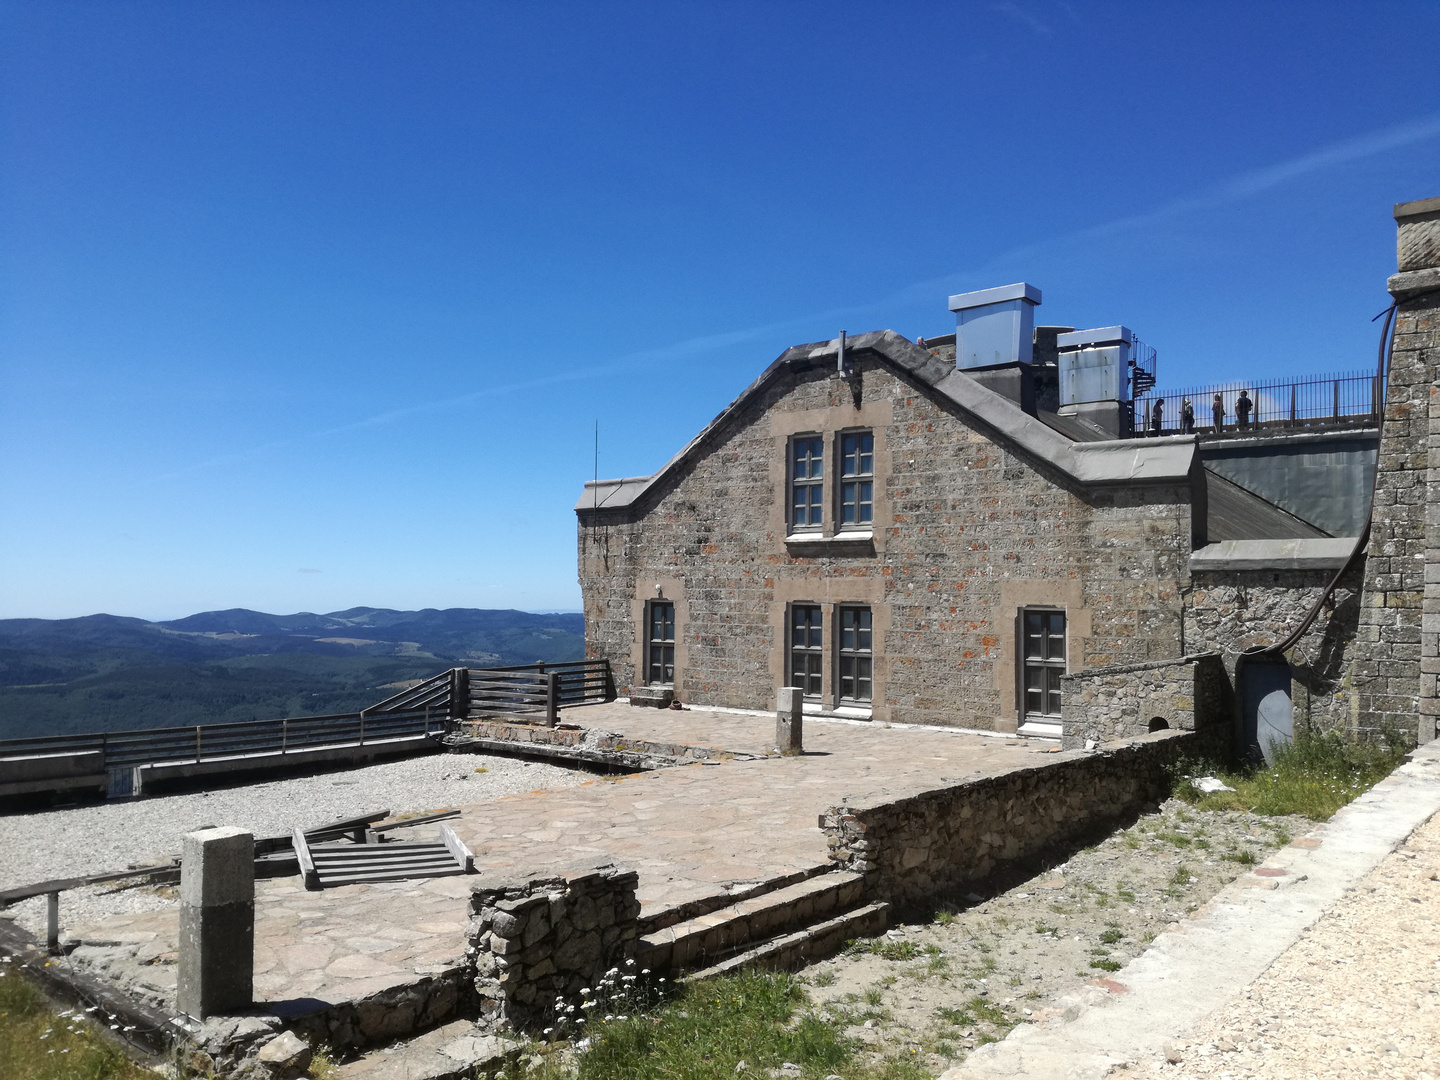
<point>109,673</point>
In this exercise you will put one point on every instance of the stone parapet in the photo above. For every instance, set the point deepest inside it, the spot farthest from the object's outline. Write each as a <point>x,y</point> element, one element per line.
<point>538,941</point>
<point>914,849</point>
<point>1183,694</point>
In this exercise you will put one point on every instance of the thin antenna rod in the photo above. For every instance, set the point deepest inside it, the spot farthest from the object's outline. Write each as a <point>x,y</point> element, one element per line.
<point>596,488</point>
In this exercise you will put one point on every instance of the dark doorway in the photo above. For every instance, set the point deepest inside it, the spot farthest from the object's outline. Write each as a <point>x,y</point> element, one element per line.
<point>1265,714</point>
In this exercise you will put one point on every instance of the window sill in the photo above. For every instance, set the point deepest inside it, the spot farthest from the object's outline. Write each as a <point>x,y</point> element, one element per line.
<point>813,545</point>
<point>1041,729</point>
<point>840,712</point>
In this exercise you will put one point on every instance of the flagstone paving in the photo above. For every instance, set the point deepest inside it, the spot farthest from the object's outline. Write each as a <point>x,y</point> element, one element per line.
<point>690,832</point>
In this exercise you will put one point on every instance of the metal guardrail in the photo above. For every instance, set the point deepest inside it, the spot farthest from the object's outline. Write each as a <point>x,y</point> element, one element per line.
<point>1331,401</point>
<point>416,712</point>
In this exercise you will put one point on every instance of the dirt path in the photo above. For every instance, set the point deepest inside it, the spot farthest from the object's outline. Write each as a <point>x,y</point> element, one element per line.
<point>930,990</point>
<point>1358,996</point>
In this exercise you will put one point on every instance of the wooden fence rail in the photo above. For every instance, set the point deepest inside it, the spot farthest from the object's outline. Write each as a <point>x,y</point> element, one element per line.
<point>422,709</point>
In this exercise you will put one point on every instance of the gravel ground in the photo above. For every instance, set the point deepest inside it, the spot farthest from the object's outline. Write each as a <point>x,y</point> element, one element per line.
<point>930,990</point>
<point>1358,995</point>
<point>113,836</point>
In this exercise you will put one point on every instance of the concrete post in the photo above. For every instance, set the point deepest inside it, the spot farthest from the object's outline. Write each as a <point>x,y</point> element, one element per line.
<point>790,720</point>
<point>217,922</point>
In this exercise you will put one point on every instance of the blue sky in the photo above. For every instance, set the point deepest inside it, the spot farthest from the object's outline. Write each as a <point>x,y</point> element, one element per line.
<point>312,305</point>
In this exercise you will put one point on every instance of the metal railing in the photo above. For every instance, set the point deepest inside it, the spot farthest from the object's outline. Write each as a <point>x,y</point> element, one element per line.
<point>416,712</point>
<point>1331,401</point>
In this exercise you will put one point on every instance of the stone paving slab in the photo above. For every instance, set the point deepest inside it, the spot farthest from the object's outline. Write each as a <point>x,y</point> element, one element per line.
<point>690,831</point>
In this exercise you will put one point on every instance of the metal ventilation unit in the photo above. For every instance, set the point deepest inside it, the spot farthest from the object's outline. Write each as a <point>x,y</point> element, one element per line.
<point>1100,370</point>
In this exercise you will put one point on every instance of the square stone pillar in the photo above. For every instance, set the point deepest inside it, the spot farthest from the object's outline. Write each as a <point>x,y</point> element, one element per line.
<point>790,720</point>
<point>217,922</point>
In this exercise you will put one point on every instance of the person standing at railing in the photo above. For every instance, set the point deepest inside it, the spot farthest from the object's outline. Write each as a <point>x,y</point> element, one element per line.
<point>1243,405</point>
<point>1187,417</point>
<point>1217,410</point>
<point>1157,415</point>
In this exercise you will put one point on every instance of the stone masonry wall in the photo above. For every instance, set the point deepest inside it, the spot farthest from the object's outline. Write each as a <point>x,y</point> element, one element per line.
<point>1231,611</point>
<point>1112,703</point>
<point>914,849</point>
<point>965,532</point>
<point>1397,660</point>
<point>535,941</point>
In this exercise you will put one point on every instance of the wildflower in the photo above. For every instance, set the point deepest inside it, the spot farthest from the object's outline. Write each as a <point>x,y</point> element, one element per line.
<point>629,963</point>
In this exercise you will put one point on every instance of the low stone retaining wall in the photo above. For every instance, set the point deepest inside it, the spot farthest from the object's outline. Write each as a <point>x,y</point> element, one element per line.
<point>919,847</point>
<point>535,942</point>
<point>581,745</point>
<point>1188,693</point>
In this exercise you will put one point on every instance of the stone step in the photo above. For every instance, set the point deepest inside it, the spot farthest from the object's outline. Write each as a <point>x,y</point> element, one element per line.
<point>454,1051</point>
<point>745,890</point>
<point>790,951</point>
<point>720,933</point>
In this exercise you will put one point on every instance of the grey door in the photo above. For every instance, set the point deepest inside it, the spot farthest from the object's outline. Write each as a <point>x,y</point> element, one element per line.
<point>1265,703</point>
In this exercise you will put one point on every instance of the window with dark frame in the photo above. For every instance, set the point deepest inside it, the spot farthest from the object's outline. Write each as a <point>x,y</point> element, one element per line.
<point>660,662</point>
<point>857,479</point>
<point>856,656</point>
<point>807,648</point>
<point>807,482</point>
<point>1043,649</point>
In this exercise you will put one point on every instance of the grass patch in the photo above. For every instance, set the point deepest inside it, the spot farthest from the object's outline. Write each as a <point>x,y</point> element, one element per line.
<point>886,949</point>
<point>37,1043</point>
<point>1313,777</point>
<point>1111,936</point>
<point>708,1030</point>
<point>1105,965</point>
<point>1243,856</point>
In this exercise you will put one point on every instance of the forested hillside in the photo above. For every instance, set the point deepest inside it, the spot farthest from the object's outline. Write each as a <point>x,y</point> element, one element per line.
<point>109,673</point>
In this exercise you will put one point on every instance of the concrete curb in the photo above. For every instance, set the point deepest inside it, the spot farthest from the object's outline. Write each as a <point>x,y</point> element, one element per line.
<point>1197,966</point>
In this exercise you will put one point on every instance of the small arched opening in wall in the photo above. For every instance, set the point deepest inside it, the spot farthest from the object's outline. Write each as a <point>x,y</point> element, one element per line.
<point>1158,723</point>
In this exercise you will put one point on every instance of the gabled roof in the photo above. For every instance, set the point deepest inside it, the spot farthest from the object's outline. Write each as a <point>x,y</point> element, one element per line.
<point>1121,461</point>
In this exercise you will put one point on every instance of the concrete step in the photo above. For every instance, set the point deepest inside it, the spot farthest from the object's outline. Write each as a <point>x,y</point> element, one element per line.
<point>790,951</point>
<point>454,1051</point>
<point>734,894</point>
<point>719,933</point>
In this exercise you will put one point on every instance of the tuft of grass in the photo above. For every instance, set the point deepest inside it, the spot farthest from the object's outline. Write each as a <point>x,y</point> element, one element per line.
<point>1181,875</point>
<point>886,949</point>
<point>1312,777</point>
<point>1111,936</point>
<point>1041,928</point>
<point>824,978</point>
<point>1105,965</point>
<point>38,1043</point>
<point>1243,856</point>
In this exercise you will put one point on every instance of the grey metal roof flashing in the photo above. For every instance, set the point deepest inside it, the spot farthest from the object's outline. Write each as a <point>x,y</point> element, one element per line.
<point>1167,460</point>
<point>1327,553</point>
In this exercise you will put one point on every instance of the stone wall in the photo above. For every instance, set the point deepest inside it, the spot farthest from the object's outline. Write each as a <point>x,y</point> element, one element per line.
<point>1397,659</point>
<point>1105,704</point>
<point>916,848</point>
<point>1230,611</point>
<point>966,531</point>
<point>536,941</point>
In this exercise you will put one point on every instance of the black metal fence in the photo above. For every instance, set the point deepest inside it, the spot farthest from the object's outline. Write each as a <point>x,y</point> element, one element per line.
<point>1331,401</point>
<point>416,712</point>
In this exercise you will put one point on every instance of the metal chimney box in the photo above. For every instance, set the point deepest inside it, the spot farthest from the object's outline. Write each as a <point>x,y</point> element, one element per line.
<point>994,326</point>
<point>1095,365</point>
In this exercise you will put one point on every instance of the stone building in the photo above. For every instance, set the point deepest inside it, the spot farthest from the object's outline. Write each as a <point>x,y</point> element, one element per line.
<point>966,532</point>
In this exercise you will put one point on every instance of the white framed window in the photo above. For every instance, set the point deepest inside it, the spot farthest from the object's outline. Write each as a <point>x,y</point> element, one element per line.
<point>857,479</point>
<point>856,656</point>
<point>807,482</point>
<point>1043,655</point>
<point>807,648</point>
<point>660,644</point>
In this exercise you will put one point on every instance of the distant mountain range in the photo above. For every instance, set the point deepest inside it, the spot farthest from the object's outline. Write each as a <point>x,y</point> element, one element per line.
<point>110,673</point>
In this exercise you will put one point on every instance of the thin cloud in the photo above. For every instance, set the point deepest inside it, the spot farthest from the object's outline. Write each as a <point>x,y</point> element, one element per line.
<point>1236,189</point>
<point>1015,11</point>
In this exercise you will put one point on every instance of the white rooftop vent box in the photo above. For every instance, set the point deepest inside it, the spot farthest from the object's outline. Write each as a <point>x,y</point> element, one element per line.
<point>1095,365</point>
<point>995,326</point>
